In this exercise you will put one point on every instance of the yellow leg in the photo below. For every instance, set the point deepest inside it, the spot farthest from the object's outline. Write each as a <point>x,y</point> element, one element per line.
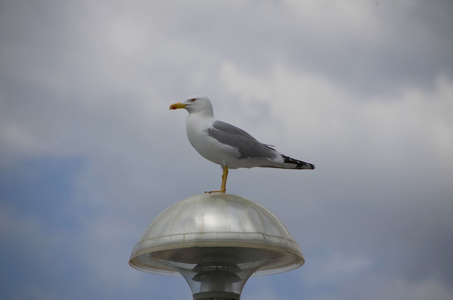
<point>224,180</point>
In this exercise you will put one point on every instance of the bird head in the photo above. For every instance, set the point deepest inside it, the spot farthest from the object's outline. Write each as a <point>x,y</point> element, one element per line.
<point>194,104</point>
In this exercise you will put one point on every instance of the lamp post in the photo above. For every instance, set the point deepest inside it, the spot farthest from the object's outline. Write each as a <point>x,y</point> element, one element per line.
<point>216,242</point>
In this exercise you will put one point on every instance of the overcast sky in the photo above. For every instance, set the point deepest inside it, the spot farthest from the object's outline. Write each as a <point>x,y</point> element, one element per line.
<point>90,153</point>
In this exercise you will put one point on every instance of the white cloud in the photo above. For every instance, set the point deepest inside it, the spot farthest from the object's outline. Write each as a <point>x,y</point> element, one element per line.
<point>413,122</point>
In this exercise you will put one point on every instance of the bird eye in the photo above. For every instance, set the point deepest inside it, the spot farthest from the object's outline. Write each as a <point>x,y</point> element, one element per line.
<point>192,100</point>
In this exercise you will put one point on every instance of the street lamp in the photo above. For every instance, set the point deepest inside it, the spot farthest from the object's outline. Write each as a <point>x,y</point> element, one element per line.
<point>216,242</point>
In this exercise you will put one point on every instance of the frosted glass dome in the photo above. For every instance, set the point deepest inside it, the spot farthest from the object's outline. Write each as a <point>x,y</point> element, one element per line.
<point>207,228</point>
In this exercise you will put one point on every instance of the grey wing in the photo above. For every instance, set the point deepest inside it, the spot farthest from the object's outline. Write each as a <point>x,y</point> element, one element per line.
<point>246,144</point>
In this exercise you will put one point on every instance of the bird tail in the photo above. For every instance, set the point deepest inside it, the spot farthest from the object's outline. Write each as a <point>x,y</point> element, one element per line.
<point>292,163</point>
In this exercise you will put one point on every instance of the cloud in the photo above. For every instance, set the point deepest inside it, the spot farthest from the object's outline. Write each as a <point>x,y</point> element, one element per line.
<point>360,89</point>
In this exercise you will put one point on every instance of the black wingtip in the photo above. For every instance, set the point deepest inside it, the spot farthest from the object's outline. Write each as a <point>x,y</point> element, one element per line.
<point>311,166</point>
<point>298,163</point>
<point>304,165</point>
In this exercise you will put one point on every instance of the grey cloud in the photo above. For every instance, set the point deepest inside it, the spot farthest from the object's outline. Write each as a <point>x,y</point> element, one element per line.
<point>71,87</point>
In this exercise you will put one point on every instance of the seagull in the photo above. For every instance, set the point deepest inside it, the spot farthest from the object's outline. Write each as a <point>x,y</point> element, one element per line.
<point>227,145</point>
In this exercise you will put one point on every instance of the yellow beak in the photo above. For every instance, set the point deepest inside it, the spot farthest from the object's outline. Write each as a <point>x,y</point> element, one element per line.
<point>177,105</point>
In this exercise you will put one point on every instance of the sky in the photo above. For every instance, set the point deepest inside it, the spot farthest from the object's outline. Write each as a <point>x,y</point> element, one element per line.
<point>90,153</point>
